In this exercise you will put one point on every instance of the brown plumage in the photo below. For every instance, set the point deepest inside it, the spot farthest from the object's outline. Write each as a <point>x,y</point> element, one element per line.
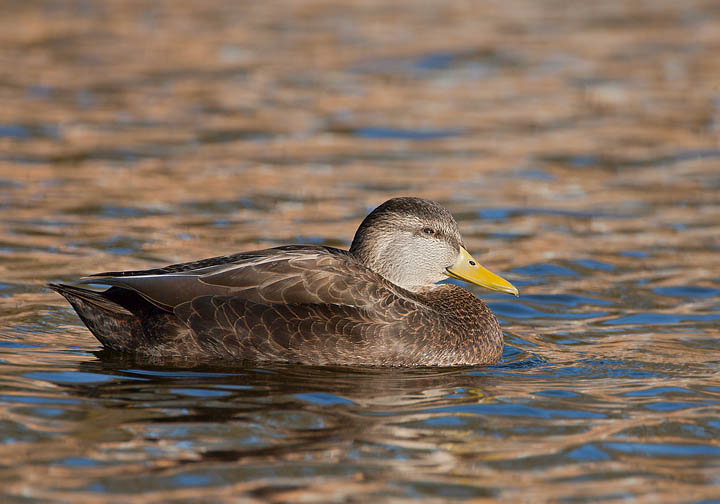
<point>376,304</point>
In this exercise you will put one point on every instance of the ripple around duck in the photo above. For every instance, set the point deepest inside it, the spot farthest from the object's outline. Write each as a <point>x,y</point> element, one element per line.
<point>568,300</point>
<point>67,377</point>
<point>324,399</point>
<point>593,368</point>
<point>514,359</point>
<point>521,311</point>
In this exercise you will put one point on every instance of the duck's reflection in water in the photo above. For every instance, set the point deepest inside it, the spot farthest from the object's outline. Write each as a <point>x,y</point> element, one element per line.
<point>290,412</point>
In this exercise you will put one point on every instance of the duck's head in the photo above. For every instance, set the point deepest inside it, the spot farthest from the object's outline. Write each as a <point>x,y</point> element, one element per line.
<point>415,243</point>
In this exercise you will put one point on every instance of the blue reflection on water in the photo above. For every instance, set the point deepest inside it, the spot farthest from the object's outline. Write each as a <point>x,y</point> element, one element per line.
<point>569,300</point>
<point>588,452</point>
<point>445,421</point>
<point>545,269</point>
<point>689,291</point>
<point>385,133</point>
<point>676,405</point>
<point>660,318</point>
<point>656,391</point>
<point>14,344</point>
<point>638,254</point>
<point>189,480</point>
<point>435,61</point>
<point>77,462</point>
<point>595,265</point>
<point>323,399</point>
<point>517,310</point>
<point>557,393</point>
<point>499,213</point>
<point>13,131</point>
<point>199,392</point>
<point>69,377</point>
<point>515,410</point>
<point>665,449</point>
<point>24,399</point>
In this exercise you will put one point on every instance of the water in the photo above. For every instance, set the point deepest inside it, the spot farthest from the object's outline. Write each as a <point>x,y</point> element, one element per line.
<point>576,144</point>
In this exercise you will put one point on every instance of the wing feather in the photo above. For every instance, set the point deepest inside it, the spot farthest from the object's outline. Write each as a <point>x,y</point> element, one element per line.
<point>292,275</point>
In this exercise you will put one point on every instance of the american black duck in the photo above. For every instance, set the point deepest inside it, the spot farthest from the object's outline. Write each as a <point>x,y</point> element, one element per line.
<point>376,304</point>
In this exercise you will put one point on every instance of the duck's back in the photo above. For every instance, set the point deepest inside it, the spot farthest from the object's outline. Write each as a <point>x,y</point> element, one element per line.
<point>309,304</point>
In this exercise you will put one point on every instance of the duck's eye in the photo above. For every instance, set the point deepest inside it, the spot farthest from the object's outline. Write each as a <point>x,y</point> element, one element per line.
<point>472,263</point>
<point>428,231</point>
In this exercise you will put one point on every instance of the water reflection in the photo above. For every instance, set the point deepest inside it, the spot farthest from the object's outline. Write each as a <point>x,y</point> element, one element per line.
<point>424,430</point>
<point>211,423</point>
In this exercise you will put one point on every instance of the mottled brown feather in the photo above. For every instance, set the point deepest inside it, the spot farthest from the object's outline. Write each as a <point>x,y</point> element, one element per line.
<point>307,304</point>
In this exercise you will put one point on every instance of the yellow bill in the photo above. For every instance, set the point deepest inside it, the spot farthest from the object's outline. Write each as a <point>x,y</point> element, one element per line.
<point>468,269</point>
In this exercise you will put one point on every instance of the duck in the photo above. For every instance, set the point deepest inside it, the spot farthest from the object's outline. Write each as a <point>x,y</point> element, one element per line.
<point>377,304</point>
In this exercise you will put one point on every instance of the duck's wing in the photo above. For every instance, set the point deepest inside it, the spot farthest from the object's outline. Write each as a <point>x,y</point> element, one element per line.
<point>290,275</point>
<point>210,263</point>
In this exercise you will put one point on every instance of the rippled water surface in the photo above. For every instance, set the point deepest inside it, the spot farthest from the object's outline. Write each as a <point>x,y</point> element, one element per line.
<point>576,144</point>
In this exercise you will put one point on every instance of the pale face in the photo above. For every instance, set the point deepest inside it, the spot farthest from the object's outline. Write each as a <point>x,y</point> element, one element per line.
<point>415,243</point>
<point>416,255</point>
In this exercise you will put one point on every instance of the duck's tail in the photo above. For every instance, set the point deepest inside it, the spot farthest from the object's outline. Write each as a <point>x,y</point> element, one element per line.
<point>112,324</point>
